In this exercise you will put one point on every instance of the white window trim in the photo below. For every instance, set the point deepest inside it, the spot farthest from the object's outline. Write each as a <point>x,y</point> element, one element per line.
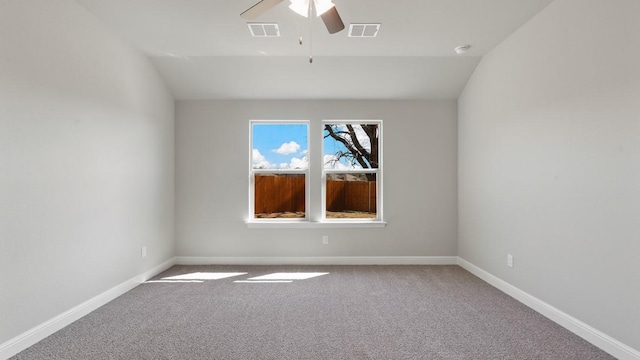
<point>253,172</point>
<point>379,198</point>
<point>311,221</point>
<point>314,224</point>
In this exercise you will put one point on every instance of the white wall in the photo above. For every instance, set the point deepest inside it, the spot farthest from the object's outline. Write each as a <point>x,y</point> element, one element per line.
<point>549,162</point>
<point>212,163</point>
<point>86,162</point>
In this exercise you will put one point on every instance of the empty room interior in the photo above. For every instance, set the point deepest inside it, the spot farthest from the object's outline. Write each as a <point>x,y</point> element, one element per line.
<point>503,154</point>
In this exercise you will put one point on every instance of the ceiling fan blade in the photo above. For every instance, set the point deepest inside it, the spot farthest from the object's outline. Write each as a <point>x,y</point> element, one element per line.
<point>332,20</point>
<point>259,9</point>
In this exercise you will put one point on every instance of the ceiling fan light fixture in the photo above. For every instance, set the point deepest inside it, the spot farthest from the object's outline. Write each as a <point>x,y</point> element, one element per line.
<point>322,6</point>
<point>300,7</point>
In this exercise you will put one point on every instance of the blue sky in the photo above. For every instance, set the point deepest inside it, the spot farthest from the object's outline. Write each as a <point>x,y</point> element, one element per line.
<point>278,146</point>
<point>285,146</point>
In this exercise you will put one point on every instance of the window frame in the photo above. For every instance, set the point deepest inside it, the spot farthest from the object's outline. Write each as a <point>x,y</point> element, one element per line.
<point>315,214</point>
<point>378,171</point>
<point>252,174</point>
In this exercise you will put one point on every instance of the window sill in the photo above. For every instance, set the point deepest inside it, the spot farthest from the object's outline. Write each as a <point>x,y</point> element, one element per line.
<point>314,224</point>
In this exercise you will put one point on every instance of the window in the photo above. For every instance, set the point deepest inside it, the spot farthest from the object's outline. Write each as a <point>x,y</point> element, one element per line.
<point>351,171</point>
<point>346,160</point>
<point>279,170</point>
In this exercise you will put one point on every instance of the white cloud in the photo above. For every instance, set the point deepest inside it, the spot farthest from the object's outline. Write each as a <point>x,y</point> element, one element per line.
<point>296,163</point>
<point>299,163</point>
<point>291,147</point>
<point>257,157</point>
<point>258,161</point>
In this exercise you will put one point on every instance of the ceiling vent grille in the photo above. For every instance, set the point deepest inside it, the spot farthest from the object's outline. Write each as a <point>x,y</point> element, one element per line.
<point>363,30</point>
<point>264,29</point>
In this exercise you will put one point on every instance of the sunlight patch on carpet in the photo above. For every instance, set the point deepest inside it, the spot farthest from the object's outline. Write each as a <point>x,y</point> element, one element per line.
<point>282,277</point>
<point>197,277</point>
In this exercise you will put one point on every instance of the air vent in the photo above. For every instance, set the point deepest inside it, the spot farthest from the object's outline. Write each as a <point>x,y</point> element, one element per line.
<point>363,30</point>
<point>264,30</point>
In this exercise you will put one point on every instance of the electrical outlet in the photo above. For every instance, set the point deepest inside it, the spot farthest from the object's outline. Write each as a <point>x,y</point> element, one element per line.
<point>325,240</point>
<point>143,252</point>
<point>510,260</point>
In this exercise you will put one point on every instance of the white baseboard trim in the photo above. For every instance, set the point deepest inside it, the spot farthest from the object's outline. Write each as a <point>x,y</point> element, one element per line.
<point>320,260</point>
<point>590,334</point>
<point>38,333</point>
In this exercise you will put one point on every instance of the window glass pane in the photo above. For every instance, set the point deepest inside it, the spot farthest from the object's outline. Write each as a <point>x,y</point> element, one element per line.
<point>279,146</point>
<point>279,196</point>
<point>351,146</point>
<point>351,195</point>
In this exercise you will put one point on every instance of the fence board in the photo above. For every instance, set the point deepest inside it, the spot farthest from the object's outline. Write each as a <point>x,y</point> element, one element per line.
<point>351,196</point>
<point>286,193</point>
<point>279,193</point>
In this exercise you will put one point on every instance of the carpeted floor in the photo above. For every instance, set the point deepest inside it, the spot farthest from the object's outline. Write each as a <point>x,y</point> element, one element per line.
<point>314,312</point>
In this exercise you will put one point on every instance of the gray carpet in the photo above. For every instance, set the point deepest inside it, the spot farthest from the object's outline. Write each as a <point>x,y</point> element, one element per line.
<point>353,312</point>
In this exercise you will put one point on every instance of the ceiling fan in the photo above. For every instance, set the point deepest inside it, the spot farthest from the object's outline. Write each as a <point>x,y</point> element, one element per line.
<point>324,8</point>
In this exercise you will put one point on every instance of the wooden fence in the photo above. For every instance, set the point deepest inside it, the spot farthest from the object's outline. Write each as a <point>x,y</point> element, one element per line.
<point>286,193</point>
<point>279,193</point>
<point>351,196</point>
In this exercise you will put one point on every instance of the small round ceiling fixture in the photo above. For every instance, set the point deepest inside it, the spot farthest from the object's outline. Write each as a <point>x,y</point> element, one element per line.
<point>462,49</point>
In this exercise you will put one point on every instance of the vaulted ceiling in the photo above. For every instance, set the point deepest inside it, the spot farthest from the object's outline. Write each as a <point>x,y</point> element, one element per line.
<point>204,50</point>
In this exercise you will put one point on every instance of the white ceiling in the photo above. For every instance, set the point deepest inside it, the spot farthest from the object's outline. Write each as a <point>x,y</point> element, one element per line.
<point>204,50</point>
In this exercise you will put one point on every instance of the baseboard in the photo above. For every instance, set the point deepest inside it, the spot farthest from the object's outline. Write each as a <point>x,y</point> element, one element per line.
<point>38,333</point>
<point>320,260</point>
<point>590,334</point>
